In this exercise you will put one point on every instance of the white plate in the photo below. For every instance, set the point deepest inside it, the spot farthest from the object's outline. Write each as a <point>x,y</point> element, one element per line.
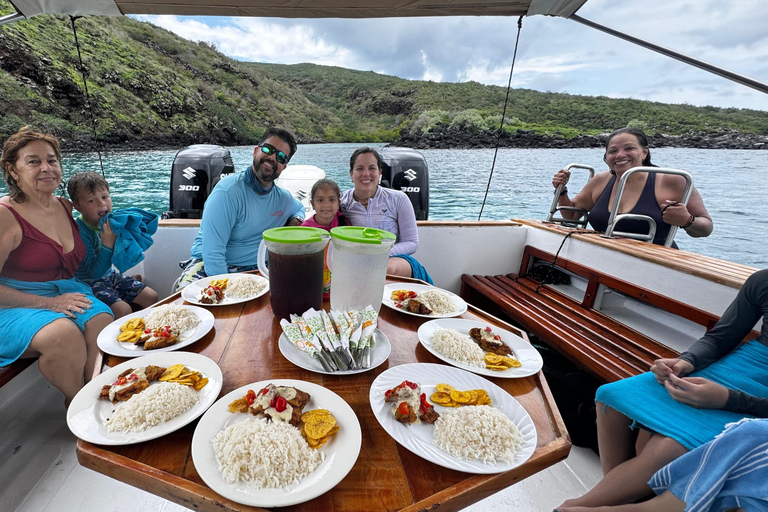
<point>523,351</point>
<point>87,414</point>
<point>294,354</point>
<point>191,292</point>
<point>418,437</point>
<point>419,288</point>
<point>341,450</point>
<point>108,343</point>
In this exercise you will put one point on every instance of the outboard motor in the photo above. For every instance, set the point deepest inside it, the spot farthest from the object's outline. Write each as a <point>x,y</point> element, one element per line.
<point>194,173</point>
<point>406,170</point>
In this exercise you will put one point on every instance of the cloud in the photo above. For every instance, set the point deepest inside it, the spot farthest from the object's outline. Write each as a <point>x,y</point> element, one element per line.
<point>554,54</point>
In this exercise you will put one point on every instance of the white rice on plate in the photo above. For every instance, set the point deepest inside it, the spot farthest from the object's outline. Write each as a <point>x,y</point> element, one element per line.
<point>478,432</point>
<point>157,404</point>
<point>178,317</point>
<point>264,453</point>
<point>438,301</point>
<point>459,347</point>
<point>245,286</point>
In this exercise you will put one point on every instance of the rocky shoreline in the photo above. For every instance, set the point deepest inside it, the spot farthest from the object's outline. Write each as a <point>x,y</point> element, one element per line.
<point>452,139</point>
<point>446,139</point>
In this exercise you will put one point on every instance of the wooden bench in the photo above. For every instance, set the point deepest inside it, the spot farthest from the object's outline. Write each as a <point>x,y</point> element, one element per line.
<point>7,373</point>
<point>606,348</point>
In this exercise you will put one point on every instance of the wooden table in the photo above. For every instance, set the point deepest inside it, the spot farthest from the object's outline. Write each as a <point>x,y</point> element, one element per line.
<point>386,476</point>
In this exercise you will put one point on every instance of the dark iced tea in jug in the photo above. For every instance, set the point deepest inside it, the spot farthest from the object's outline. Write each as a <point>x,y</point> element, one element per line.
<point>295,283</point>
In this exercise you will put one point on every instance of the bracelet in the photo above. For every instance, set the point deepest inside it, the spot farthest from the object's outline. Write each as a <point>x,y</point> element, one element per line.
<point>690,222</point>
<point>564,191</point>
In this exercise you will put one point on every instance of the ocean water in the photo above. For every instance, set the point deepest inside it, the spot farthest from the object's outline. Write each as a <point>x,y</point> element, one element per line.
<point>731,182</point>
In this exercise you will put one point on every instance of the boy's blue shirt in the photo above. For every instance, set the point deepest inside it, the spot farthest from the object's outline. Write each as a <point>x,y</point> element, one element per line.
<point>98,258</point>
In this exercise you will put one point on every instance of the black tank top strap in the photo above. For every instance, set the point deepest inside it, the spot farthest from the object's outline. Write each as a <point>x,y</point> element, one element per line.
<point>599,214</point>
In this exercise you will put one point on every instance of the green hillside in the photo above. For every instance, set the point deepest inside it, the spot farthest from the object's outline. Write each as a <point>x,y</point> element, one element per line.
<point>149,87</point>
<point>419,105</point>
<point>146,84</point>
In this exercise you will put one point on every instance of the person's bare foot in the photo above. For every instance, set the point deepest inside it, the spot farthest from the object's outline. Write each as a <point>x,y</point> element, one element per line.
<point>137,277</point>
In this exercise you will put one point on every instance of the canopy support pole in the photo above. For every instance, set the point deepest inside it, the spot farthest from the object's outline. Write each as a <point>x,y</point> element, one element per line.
<point>706,66</point>
<point>10,18</point>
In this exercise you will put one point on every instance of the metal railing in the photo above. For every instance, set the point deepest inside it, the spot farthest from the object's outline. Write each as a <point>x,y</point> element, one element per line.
<point>579,221</point>
<point>615,218</point>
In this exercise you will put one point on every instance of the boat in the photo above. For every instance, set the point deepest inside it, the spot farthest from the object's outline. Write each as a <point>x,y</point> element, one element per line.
<point>668,281</point>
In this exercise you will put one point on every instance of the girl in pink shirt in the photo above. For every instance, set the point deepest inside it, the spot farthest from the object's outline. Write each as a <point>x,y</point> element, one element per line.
<point>324,199</point>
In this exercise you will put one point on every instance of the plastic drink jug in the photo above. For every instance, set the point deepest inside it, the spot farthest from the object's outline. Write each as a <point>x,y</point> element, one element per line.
<point>295,268</point>
<point>358,260</point>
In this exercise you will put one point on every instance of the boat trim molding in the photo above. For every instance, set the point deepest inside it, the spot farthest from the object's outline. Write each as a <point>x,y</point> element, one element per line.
<point>718,271</point>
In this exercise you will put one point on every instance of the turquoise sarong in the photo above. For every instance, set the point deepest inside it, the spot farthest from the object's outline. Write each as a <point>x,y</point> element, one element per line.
<point>417,269</point>
<point>21,324</point>
<point>647,403</point>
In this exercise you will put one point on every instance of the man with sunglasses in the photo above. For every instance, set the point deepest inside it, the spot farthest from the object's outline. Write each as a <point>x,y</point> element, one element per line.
<point>240,208</point>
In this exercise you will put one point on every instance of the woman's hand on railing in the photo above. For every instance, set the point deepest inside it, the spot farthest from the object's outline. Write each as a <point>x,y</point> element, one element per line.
<point>561,178</point>
<point>675,214</point>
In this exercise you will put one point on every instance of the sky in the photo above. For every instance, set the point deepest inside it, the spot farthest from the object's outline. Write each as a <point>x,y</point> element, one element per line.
<point>555,54</point>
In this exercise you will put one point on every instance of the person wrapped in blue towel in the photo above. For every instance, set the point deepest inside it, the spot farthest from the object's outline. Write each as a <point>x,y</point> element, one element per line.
<point>725,474</point>
<point>113,241</point>
<point>649,420</point>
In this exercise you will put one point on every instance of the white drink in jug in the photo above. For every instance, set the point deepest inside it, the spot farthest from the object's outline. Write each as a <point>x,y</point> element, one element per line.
<point>357,279</point>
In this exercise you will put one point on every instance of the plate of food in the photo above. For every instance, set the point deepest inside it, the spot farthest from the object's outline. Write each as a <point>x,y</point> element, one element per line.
<point>480,348</point>
<point>423,300</point>
<point>144,398</point>
<point>379,353</point>
<point>225,289</point>
<point>453,418</point>
<point>157,329</point>
<point>318,434</point>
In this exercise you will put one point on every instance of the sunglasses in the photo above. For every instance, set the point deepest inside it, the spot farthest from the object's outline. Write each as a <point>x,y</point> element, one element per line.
<point>269,149</point>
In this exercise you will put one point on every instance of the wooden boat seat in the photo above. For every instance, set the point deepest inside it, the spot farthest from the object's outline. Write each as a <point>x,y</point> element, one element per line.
<point>606,348</point>
<point>7,373</point>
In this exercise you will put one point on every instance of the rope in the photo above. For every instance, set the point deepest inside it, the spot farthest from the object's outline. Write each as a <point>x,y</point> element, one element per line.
<point>503,115</point>
<point>554,260</point>
<point>87,96</point>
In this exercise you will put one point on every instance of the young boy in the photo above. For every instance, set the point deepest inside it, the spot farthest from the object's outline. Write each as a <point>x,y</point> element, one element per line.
<point>89,192</point>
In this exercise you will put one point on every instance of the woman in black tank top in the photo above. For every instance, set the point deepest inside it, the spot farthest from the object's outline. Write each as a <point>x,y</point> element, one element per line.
<point>648,194</point>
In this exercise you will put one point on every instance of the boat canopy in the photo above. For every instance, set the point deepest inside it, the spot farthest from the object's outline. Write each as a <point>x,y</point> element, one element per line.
<point>302,8</point>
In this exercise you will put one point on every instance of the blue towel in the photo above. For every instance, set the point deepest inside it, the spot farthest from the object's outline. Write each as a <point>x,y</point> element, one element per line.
<point>134,228</point>
<point>21,324</point>
<point>648,403</point>
<point>730,471</point>
<point>417,269</point>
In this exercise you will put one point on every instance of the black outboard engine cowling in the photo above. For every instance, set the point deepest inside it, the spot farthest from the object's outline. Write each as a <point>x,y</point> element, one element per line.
<point>194,173</point>
<point>406,170</point>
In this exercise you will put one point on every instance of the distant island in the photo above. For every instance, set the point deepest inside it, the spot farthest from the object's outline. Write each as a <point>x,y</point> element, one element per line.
<point>150,88</point>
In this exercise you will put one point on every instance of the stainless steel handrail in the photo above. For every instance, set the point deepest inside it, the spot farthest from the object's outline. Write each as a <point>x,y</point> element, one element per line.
<point>10,18</point>
<point>555,208</point>
<point>614,218</point>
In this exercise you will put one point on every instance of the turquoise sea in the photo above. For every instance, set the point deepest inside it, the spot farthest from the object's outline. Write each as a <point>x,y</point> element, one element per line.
<point>732,183</point>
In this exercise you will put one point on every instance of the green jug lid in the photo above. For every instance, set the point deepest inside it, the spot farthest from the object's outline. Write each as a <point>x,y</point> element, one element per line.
<point>361,234</point>
<point>294,235</point>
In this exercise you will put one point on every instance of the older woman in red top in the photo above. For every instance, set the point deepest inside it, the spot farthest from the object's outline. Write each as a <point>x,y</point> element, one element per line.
<point>45,312</point>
